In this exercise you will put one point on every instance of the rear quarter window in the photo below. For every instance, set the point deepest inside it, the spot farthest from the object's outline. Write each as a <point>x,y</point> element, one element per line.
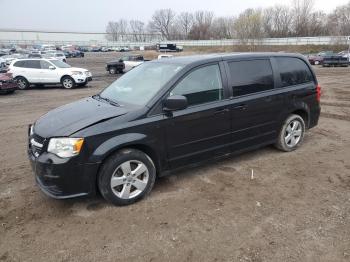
<point>251,76</point>
<point>35,64</point>
<point>293,71</point>
<point>19,64</point>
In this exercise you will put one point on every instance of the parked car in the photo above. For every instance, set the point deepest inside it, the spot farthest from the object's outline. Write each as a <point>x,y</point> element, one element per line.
<point>77,53</point>
<point>48,71</point>
<point>7,84</point>
<point>34,55</point>
<point>169,48</point>
<point>9,58</point>
<point>96,49</point>
<point>345,54</point>
<point>165,56</point>
<point>56,55</point>
<point>124,49</point>
<point>170,114</point>
<point>67,53</point>
<point>318,58</point>
<point>125,63</point>
<point>335,60</point>
<point>3,65</point>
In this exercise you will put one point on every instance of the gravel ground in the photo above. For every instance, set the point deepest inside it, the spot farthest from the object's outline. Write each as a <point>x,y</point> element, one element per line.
<point>297,207</point>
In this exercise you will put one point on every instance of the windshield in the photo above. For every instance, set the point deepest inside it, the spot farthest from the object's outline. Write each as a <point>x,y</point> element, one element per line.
<point>140,84</point>
<point>60,64</point>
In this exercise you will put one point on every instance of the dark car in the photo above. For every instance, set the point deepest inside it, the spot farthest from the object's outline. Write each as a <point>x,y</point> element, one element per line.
<point>170,114</point>
<point>116,66</point>
<point>77,53</point>
<point>318,58</point>
<point>67,53</point>
<point>7,84</point>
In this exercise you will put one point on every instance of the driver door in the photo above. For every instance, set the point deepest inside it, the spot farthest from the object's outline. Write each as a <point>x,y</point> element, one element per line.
<point>203,129</point>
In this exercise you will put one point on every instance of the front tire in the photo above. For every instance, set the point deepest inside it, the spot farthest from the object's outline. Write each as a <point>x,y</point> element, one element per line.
<point>291,134</point>
<point>126,177</point>
<point>68,82</point>
<point>22,83</point>
<point>112,70</point>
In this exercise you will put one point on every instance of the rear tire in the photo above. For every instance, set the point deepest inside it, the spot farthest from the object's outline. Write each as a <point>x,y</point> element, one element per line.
<point>126,177</point>
<point>291,134</point>
<point>22,83</point>
<point>68,82</point>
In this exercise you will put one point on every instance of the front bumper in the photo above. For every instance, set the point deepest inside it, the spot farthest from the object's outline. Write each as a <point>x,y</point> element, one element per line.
<point>82,78</point>
<point>5,87</point>
<point>63,178</point>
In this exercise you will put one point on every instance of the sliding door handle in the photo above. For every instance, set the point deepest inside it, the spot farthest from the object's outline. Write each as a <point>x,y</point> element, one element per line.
<point>221,111</point>
<point>240,107</point>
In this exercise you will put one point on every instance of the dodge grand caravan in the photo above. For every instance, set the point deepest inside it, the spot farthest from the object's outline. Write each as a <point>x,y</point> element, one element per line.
<point>169,114</point>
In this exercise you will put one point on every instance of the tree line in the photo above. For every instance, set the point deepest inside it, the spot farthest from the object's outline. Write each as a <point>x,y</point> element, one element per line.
<point>299,19</point>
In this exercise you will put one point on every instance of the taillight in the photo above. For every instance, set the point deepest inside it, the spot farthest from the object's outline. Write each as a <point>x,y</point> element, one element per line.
<point>318,93</point>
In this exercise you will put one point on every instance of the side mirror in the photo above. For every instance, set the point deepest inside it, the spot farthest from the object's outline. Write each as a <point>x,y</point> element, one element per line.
<point>175,102</point>
<point>52,67</point>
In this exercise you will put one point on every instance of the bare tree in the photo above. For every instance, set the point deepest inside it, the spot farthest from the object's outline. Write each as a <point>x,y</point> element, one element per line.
<point>112,30</point>
<point>222,28</point>
<point>249,25</point>
<point>184,23</point>
<point>201,25</point>
<point>302,10</point>
<point>318,24</point>
<point>116,30</point>
<point>339,20</point>
<point>277,21</point>
<point>162,22</point>
<point>137,30</point>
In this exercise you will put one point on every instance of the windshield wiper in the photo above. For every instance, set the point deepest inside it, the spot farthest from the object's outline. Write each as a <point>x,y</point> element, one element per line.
<point>110,101</point>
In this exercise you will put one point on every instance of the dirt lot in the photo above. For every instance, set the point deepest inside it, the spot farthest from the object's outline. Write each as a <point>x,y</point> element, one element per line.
<point>297,207</point>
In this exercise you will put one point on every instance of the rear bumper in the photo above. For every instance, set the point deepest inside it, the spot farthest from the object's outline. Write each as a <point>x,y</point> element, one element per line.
<point>63,178</point>
<point>314,116</point>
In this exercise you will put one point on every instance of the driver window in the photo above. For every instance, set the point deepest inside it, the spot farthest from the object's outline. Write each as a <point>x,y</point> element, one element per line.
<point>201,86</point>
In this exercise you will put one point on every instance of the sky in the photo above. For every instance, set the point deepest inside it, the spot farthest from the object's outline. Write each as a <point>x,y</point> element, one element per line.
<point>93,15</point>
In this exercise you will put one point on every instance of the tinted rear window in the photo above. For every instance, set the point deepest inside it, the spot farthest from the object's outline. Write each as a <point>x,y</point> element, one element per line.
<point>251,76</point>
<point>293,71</point>
<point>32,64</point>
<point>19,64</point>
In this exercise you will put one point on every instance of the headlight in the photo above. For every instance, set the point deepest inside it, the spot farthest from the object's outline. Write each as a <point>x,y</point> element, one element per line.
<point>77,73</point>
<point>65,147</point>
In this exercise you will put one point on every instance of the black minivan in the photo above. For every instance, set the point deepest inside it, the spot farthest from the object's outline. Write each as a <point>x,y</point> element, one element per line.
<point>167,114</point>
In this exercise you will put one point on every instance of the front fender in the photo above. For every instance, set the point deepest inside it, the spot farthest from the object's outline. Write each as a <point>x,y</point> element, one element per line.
<point>115,143</point>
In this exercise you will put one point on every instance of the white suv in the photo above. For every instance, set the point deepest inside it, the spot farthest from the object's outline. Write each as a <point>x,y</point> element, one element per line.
<point>47,71</point>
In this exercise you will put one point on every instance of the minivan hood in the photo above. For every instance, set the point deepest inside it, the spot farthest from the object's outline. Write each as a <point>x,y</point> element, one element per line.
<point>68,119</point>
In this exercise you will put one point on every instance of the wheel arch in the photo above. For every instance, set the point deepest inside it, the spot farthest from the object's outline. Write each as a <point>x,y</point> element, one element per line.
<point>148,150</point>
<point>64,77</point>
<point>304,114</point>
<point>133,141</point>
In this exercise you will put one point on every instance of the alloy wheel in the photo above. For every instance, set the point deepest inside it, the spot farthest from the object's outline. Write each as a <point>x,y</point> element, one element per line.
<point>21,84</point>
<point>67,83</point>
<point>293,133</point>
<point>129,179</point>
